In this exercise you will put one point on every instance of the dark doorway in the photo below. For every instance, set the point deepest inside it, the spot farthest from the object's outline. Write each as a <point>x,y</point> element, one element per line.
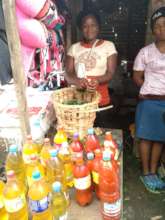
<point>123,22</point>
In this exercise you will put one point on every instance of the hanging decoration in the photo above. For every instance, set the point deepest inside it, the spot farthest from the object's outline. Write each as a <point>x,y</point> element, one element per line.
<point>40,28</point>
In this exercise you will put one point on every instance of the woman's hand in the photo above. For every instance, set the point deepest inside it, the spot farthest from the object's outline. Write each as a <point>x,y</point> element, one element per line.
<point>92,84</point>
<point>81,83</point>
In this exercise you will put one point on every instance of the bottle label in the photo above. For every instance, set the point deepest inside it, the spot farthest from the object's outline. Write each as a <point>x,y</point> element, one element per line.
<point>112,208</point>
<point>95,177</point>
<point>63,217</point>
<point>82,183</point>
<point>39,205</point>
<point>27,158</point>
<point>14,205</point>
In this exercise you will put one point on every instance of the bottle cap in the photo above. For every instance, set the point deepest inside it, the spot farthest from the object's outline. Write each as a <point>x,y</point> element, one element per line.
<point>13,148</point>
<point>90,156</point>
<point>56,186</point>
<point>36,175</point>
<point>91,131</point>
<point>53,153</point>
<point>106,156</point>
<point>76,135</point>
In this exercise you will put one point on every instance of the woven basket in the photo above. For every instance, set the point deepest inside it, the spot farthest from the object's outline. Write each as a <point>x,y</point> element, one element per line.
<point>75,118</point>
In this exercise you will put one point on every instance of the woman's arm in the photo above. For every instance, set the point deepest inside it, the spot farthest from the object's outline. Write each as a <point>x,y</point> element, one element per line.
<point>138,78</point>
<point>70,74</point>
<point>111,67</point>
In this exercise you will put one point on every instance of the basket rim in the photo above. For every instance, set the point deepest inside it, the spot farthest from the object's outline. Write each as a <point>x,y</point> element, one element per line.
<point>94,102</point>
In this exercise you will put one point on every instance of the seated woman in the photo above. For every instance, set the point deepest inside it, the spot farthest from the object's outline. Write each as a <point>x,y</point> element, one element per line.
<point>91,62</point>
<point>149,74</point>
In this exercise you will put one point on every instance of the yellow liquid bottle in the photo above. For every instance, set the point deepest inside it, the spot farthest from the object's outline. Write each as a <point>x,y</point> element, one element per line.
<point>45,152</point>
<point>3,213</point>
<point>29,149</point>
<point>39,198</point>
<point>15,162</point>
<point>65,155</point>
<point>55,172</point>
<point>33,166</point>
<point>59,138</point>
<point>59,202</point>
<point>14,198</point>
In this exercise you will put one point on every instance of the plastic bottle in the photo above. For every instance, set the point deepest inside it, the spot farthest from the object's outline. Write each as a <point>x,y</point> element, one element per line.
<point>55,172</point>
<point>82,183</point>
<point>112,144</point>
<point>76,147</point>
<point>45,152</point>
<point>109,189</point>
<point>39,198</point>
<point>3,213</point>
<point>15,162</point>
<point>92,142</point>
<point>59,138</point>
<point>29,149</point>
<point>95,171</point>
<point>14,198</point>
<point>90,158</point>
<point>65,156</point>
<point>59,203</point>
<point>33,166</point>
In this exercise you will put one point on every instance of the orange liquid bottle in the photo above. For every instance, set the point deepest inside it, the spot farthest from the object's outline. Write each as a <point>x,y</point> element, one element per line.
<point>82,182</point>
<point>109,189</point>
<point>14,198</point>
<point>76,147</point>
<point>112,144</point>
<point>90,158</point>
<point>95,171</point>
<point>92,142</point>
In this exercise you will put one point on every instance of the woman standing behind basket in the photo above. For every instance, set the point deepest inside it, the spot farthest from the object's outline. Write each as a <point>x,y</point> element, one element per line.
<point>91,62</point>
<point>149,74</point>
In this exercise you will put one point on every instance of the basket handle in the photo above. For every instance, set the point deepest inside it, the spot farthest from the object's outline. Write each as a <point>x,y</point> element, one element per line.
<point>101,109</point>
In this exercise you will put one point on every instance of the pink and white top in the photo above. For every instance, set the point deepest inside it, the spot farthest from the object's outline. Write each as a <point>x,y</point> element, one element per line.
<point>152,62</point>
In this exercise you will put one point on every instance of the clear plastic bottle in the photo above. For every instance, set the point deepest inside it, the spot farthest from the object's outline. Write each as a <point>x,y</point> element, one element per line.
<point>14,198</point>
<point>45,152</point>
<point>29,149</point>
<point>59,202</point>
<point>92,143</point>
<point>39,198</point>
<point>76,147</point>
<point>55,172</point>
<point>65,156</point>
<point>109,189</point>
<point>15,162</point>
<point>3,213</point>
<point>82,182</point>
<point>59,138</point>
<point>34,165</point>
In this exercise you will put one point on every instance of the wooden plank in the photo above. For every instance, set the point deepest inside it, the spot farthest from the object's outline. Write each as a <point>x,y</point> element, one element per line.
<point>16,64</point>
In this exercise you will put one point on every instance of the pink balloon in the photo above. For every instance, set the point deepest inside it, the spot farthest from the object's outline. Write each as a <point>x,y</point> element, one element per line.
<point>30,7</point>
